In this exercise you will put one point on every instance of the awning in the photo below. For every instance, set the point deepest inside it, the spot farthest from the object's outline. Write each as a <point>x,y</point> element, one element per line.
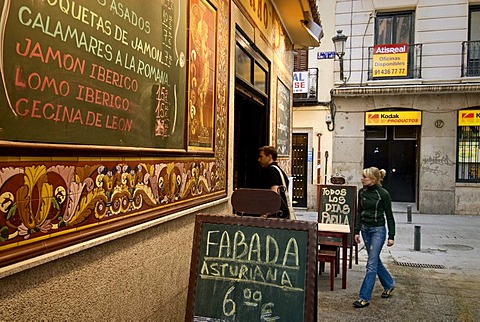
<point>301,21</point>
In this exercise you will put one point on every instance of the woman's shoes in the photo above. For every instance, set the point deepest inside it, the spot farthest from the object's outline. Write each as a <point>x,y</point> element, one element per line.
<point>360,303</point>
<point>386,294</point>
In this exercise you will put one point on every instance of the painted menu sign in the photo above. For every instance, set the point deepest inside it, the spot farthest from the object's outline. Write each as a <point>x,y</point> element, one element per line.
<point>97,72</point>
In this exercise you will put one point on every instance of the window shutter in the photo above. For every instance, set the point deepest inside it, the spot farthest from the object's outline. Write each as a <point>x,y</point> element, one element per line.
<point>300,60</point>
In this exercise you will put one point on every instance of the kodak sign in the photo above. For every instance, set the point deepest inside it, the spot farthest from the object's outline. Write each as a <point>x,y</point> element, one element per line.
<point>393,118</point>
<point>468,117</point>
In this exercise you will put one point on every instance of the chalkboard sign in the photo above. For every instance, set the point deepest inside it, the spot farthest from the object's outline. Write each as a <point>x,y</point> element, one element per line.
<point>283,119</point>
<point>337,204</point>
<point>101,72</point>
<point>252,269</point>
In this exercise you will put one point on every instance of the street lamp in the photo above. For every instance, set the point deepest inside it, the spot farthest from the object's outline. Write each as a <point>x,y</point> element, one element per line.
<point>339,42</point>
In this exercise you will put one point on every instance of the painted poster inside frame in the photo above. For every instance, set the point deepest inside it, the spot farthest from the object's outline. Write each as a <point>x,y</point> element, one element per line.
<point>201,75</point>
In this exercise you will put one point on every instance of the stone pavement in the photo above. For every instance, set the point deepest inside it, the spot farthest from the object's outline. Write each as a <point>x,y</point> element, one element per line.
<point>440,282</point>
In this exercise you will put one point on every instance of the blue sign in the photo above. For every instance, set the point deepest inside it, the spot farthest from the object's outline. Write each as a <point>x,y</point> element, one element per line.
<point>309,156</point>
<point>326,55</point>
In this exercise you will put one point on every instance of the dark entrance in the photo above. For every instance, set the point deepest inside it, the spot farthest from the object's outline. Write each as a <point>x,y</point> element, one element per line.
<point>251,119</point>
<point>250,133</point>
<point>394,148</point>
<point>299,169</point>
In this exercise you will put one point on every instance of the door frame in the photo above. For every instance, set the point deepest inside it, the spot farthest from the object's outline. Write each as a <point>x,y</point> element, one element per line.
<point>389,140</point>
<point>311,189</point>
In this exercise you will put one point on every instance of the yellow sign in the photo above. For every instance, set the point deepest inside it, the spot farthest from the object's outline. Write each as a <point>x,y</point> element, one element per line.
<point>393,118</point>
<point>390,60</point>
<point>262,13</point>
<point>469,118</point>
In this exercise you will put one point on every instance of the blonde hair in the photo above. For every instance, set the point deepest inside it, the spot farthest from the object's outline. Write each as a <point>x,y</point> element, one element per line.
<point>375,174</point>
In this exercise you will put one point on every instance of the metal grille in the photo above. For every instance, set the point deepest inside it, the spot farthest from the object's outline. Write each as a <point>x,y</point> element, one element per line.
<point>414,65</point>
<point>471,58</point>
<point>468,157</point>
<point>418,265</point>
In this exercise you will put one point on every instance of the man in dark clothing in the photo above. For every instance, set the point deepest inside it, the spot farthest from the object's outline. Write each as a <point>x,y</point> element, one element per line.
<point>267,158</point>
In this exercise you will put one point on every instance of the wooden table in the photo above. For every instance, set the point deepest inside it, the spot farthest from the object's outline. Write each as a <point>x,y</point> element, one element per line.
<point>338,231</point>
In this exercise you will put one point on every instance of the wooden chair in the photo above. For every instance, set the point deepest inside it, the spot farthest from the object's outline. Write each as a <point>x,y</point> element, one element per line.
<point>256,202</point>
<point>330,256</point>
<point>331,244</point>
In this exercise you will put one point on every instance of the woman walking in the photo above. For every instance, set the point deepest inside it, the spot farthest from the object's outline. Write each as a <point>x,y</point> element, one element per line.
<point>374,210</point>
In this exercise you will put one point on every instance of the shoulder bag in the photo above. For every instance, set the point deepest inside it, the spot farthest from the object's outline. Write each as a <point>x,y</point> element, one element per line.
<point>291,214</point>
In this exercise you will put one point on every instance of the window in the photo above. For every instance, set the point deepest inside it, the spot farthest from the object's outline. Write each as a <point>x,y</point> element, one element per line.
<point>473,45</point>
<point>397,29</point>
<point>394,28</point>
<point>250,66</point>
<point>243,64</point>
<point>468,144</point>
<point>375,132</point>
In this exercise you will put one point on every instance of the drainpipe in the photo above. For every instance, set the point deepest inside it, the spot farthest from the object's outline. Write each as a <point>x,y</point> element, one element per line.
<point>319,165</point>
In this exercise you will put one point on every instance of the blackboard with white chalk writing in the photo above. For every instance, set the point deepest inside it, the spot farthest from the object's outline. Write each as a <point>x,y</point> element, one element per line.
<point>337,204</point>
<point>252,269</point>
<point>97,72</point>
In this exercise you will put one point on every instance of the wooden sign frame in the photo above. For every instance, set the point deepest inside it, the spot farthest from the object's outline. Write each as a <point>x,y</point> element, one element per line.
<point>309,262</point>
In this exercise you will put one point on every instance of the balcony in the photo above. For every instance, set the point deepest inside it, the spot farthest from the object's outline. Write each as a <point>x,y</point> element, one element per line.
<point>310,94</point>
<point>471,58</point>
<point>413,65</point>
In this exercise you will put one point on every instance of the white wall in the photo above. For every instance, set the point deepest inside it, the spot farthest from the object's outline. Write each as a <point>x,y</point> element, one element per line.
<point>440,26</point>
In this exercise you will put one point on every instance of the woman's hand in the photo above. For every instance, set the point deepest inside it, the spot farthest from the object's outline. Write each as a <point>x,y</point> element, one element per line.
<point>390,242</point>
<point>357,239</point>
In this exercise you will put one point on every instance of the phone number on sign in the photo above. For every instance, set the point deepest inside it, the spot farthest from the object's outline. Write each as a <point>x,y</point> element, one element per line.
<point>390,71</point>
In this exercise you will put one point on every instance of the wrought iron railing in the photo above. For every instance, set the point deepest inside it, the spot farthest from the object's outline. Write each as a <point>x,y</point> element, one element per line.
<point>471,58</point>
<point>311,97</point>
<point>414,64</point>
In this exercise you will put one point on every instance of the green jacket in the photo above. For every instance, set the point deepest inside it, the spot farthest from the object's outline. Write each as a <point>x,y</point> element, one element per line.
<point>374,204</point>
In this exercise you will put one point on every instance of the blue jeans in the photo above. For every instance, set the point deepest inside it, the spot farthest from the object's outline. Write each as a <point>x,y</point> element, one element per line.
<point>374,238</point>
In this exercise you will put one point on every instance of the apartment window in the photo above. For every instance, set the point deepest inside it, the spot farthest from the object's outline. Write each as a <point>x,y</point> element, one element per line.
<point>394,28</point>
<point>468,143</point>
<point>395,31</point>
<point>473,44</point>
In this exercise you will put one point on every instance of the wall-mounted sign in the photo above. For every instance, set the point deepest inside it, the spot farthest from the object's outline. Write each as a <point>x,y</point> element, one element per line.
<point>469,118</point>
<point>261,13</point>
<point>310,156</point>
<point>390,60</point>
<point>94,74</point>
<point>393,118</point>
<point>326,55</point>
<point>283,119</point>
<point>300,82</point>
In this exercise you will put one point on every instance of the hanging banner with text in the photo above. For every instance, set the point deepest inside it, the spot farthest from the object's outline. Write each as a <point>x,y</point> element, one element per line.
<point>300,82</point>
<point>393,118</point>
<point>469,118</point>
<point>390,60</point>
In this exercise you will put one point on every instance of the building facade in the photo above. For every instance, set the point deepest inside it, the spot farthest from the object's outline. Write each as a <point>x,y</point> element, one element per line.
<point>312,132</point>
<point>119,123</point>
<point>409,101</point>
